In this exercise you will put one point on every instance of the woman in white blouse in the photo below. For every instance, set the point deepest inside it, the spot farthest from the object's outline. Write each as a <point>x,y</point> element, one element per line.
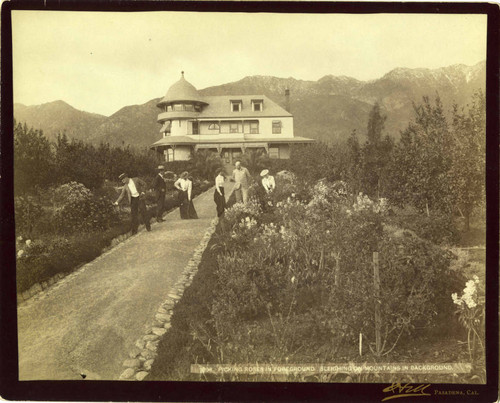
<point>219,197</point>
<point>191,212</point>
<point>182,184</point>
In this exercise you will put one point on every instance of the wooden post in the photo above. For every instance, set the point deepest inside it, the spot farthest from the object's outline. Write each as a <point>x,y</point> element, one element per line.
<point>376,286</point>
<point>360,344</point>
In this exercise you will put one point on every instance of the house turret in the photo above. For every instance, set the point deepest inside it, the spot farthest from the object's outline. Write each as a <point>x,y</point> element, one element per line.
<point>182,102</point>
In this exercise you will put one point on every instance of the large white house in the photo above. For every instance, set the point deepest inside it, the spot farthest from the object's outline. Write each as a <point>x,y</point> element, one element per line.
<point>227,124</point>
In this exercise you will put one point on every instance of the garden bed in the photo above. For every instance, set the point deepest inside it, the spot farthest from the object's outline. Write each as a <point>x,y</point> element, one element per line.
<point>267,292</point>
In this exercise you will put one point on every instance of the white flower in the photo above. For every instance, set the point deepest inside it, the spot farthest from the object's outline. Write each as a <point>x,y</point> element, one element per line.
<point>476,279</point>
<point>28,242</point>
<point>293,194</point>
<point>19,238</point>
<point>293,280</point>
<point>20,253</point>
<point>247,219</point>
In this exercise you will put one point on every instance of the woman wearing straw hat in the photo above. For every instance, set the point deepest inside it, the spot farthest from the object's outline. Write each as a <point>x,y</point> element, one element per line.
<point>267,181</point>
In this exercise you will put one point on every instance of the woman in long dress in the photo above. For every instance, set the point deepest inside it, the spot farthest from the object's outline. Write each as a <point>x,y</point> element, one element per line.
<point>181,185</point>
<point>219,197</point>
<point>191,212</point>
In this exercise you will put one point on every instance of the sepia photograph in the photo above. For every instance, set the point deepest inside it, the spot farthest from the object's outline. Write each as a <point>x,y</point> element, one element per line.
<point>272,197</point>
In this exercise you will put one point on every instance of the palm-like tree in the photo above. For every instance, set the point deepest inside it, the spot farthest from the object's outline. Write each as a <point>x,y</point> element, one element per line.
<point>205,163</point>
<point>255,160</point>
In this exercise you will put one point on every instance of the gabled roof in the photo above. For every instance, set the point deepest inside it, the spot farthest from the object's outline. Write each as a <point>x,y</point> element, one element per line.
<point>220,107</point>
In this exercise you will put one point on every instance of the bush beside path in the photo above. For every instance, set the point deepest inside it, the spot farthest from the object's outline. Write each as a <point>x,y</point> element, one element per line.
<point>88,322</point>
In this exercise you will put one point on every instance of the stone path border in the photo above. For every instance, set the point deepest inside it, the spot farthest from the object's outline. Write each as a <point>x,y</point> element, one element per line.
<point>143,354</point>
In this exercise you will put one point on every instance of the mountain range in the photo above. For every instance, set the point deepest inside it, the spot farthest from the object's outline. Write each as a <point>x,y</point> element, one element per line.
<point>328,109</point>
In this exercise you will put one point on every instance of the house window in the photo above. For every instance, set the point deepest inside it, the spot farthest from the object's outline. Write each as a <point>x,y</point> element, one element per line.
<point>236,106</point>
<point>254,127</point>
<point>197,108</point>
<point>274,152</point>
<point>213,126</point>
<point>169,108</point>
<point>170,155</point>
<point>196,128</point>
<point>276,126</point>
<point>178,107</point>
<point>257,105</point>
<point>189,108</point>
<point>233,127</point>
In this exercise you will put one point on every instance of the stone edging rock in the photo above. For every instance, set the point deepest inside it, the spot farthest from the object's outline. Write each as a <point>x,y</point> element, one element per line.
<point>143,354</point>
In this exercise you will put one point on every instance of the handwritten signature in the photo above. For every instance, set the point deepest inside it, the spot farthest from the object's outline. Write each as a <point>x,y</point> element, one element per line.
<point>405,390</point>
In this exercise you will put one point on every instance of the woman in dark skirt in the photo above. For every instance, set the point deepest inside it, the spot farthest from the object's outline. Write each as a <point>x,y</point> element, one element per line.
<point>191,212</point>
<point>181,185</point>
<point>219,197</point>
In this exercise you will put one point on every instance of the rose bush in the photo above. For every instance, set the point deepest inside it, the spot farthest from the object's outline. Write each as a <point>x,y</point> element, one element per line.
<point>313,257</point>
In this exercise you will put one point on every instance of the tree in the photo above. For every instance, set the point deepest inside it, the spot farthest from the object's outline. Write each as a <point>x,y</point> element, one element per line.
<point>354,162</point>
<point>79,162</point>
<point>467,174</point>
<point>375,154</point>
<point>255,160</point>
<point>205,164</point>
<point>422,160</point>
<point>33,159</point>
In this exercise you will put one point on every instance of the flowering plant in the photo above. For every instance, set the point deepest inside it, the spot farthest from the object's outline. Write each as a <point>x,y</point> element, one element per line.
<point>238,211</point>
<point>471,312</point>
<point>364,203</point>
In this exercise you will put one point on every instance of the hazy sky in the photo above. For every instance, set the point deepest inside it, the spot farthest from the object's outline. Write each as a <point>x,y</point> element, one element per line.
<point>100,62</point>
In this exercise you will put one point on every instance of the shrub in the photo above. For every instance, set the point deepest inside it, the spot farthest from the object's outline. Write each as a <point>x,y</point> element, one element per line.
<point>317,257</point>
<point>27,214</point>
<point>69,193</point>
<point>80,211</point>
<point>437,228</point>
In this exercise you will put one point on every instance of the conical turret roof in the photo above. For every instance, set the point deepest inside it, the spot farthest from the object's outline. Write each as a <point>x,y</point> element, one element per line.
<point>182,90</point>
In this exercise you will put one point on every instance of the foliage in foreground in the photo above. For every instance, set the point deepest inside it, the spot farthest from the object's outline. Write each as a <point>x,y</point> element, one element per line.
<point>294,283</point>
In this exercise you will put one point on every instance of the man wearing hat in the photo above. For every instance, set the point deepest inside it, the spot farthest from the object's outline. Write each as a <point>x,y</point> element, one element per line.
<point>267,181</point>
<point>135,189</point>
<point>160,188</point>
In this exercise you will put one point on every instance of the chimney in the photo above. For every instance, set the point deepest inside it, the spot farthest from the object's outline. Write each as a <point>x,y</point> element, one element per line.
<point>287,100</point>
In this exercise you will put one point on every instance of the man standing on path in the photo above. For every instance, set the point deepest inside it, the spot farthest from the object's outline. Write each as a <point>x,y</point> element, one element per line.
<point>242,178</point>
<point>135,189</point>
<point>160,187</point>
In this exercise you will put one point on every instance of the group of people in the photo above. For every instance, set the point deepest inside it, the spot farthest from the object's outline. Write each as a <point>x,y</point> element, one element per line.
<point>242,180</point>
<point>135,190</point>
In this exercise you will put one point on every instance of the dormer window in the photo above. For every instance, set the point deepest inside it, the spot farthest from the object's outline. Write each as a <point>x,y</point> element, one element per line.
<point>257,105</point>
<point>236,105</point>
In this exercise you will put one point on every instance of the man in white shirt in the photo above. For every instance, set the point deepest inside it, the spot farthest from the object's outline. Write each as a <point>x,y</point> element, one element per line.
<point>135,189</point>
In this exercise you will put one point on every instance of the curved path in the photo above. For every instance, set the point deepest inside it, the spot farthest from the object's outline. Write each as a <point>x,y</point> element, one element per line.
<point>89,321</point>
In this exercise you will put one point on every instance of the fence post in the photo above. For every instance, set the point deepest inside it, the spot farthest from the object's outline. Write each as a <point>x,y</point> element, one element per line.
<point>376,286</point>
